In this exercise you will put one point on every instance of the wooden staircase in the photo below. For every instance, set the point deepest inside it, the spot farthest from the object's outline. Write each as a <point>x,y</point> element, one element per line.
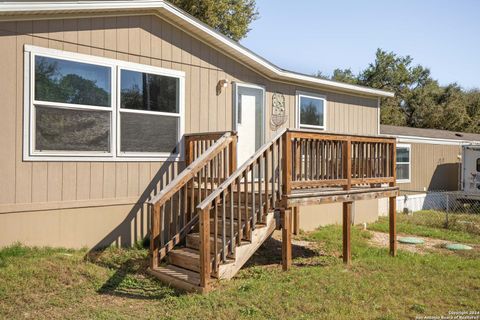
<point>213,216</point>
<point>182,266</point>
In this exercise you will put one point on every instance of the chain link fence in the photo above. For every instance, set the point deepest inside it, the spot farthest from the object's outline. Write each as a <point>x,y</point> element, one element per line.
<point>453,210</point>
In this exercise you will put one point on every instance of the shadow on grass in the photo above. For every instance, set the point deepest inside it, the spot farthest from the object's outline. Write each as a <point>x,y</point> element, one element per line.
<point>130,279</point>
<point>271,253</point>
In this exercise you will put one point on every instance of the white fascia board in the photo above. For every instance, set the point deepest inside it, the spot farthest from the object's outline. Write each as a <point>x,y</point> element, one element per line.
<point>12,8</point>
<point>417,139</point>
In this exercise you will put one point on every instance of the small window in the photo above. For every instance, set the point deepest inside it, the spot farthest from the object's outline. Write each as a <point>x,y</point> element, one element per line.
<point>478,164</point>
<point>311,111</point>
<point>403,163</point>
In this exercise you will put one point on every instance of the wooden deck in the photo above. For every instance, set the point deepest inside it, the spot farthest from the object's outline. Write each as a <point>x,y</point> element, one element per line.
<point>307,197</point>
<point>210,219</point>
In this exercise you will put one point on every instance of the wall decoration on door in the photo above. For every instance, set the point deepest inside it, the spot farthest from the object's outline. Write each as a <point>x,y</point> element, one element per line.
<point>279,116</point>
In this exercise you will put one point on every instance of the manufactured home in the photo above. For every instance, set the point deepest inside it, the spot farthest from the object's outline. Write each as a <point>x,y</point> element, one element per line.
<point>430,161</point>
<point>127,119</point>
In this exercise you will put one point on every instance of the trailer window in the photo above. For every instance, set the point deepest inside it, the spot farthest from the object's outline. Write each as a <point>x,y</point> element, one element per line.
<point>403,163</point>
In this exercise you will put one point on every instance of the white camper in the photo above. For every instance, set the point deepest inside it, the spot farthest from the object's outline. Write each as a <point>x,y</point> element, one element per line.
<point>470,176</point>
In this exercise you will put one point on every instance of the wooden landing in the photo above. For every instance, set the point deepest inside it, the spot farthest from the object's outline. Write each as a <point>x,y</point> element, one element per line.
<point>305,197</point>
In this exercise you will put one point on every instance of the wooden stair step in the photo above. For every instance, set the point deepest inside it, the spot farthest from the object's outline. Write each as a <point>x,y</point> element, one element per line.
<point>177,277</point>
<point>193,241</point>
<point>186,258</point>
<point>219,224</point>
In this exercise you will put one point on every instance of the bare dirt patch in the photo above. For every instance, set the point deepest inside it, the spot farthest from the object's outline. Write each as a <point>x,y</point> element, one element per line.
<point>381,239</point>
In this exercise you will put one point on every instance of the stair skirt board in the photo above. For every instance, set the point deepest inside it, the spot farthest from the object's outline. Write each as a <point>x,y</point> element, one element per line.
<point>245,251</point>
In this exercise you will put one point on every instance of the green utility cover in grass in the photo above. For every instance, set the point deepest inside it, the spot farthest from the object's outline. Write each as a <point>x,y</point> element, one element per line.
<point>457,246</point>
<point>410,240</point>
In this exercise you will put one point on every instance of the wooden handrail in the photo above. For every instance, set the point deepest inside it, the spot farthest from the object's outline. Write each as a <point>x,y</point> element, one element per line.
<point>192,169</point>
<point>173,208</point>
<point>315,160</point>
<point>242,200</point>
<point>238,172</point>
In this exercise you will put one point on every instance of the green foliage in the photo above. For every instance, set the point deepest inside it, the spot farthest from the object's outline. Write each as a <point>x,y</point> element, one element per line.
<point>419,99</point>
<point>230,17</point>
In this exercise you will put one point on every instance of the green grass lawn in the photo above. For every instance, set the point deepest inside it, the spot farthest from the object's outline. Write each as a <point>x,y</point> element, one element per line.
<point>464,228</point>
<point>56,283</point>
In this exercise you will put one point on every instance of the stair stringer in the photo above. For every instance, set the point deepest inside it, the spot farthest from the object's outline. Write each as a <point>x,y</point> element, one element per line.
<point>245,251</point>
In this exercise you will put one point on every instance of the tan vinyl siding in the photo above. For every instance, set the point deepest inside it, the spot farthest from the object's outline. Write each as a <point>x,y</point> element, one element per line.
<point>433,167</point>
<point>140,39</point>
<point>32,186</point>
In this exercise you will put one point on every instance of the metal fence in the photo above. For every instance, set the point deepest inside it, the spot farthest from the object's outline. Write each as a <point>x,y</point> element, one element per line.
<point>454,210</point>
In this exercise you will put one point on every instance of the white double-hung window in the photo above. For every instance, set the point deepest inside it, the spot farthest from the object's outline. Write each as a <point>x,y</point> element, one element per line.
<point>403,163</point>
<point>311,111</point>
<point>80,107</point>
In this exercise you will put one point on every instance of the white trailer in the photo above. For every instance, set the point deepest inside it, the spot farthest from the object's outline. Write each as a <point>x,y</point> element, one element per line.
<point>470,173</point>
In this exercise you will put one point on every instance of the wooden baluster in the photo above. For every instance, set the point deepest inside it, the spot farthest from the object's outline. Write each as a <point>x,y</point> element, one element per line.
<point>170,218</point>
<point>274,191</point>
<point>224,228</point>
<point>280,165</point>
<point>266,181</point>
<point>312,158</point>
<point>246,205</point>
<point>296,150</point>
<point>232,221</point>
<point>199,185</point>
<point>185,215</point>
<point>259,184</point>
<point>239,213</point>
<point>176,220</point>
<point>163,226</point>
<point>215,234</point>
<point>254,211</point>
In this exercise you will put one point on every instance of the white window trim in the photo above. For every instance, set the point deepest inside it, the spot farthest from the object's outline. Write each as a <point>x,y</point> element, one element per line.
<point>409,147</point>
<point>300,94</point>
<point>29,153</point>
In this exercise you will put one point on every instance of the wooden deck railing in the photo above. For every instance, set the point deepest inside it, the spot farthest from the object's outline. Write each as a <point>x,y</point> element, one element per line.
<point>197,143</point>
<point>246,196</point>
<point>292,160</point>
<point>173,209</point>
<point>316,160</point>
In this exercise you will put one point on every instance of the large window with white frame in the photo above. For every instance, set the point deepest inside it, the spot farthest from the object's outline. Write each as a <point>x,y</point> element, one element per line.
<point>403,163</point>
<point>81,107</point>
<point>311,111</point>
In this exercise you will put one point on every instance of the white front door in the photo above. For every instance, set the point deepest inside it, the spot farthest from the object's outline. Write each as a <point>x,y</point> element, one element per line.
<point>249,117</point>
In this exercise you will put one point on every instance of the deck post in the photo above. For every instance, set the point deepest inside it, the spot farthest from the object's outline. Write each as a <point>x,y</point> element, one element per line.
<point>392,217</point>
<point>154,235</point>
<point>287,164</point>
<point>286,238</point>
<point>296,221</point>
<point>392,206</point>
<point>233,154</point>
<point>347,222</point>
<point>205,261</point>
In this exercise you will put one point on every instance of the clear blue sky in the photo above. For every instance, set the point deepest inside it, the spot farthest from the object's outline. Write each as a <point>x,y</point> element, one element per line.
<point>310,35</point>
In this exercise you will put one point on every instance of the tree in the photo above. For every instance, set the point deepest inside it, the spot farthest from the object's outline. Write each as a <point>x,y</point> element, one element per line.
<point>230,17</point>
<point>419,100</point>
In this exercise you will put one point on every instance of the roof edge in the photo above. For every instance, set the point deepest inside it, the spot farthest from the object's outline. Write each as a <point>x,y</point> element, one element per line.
<point>26,8</point>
